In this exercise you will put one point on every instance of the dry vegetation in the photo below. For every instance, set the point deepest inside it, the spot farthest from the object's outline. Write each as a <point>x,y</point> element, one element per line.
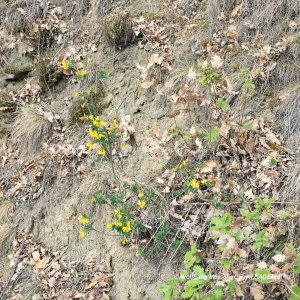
<point>187,142</point>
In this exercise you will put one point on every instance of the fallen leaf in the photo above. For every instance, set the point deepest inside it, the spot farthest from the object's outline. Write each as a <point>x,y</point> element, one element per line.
<point>256,290</point>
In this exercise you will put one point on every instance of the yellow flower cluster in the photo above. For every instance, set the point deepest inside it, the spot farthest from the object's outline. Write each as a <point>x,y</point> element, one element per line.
<point>101,152</point>
<point>114,125</point>
<point>83,219</point>
<point>205,181</point>
<point>65,65</point>
<point>194,184</point>
<point>124,240</point>
<point>141,203</point>
<point>82,233</point>
<point>81,73</point>
<point>94,134</point>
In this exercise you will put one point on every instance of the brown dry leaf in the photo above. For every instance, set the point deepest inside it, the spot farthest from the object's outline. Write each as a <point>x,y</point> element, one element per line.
<point>208,166</point>
<point>256,290</point>
<point>290,252</point>
<point>41,264</point>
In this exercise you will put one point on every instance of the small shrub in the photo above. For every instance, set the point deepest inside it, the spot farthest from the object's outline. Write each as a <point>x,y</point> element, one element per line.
<point>47,72</point>
<point>118,30</point>
<point>88,102</point>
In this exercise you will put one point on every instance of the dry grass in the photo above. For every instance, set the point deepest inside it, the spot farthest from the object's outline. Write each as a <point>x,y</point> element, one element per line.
<point>266,14</point>
<point>6,210</point>
<point>117,30</point>
<point>6,237</point>
<point>47,72</point>
<point>30,129</point>
<point>287,118</point>
<point>15,18</point>
<point>291,189</point>
<point>7,112</point>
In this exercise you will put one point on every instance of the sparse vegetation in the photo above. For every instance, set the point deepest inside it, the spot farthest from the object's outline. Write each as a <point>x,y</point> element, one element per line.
<point>118,30</point>
<point>184,159</point>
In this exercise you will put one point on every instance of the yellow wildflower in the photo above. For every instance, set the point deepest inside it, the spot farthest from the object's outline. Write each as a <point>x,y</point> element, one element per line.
<point>83,219</point>
<point>82,233</point>
<point>98,123</point>
<point>109,225</point>
<point>81,73</point>
<point>127,228</point>
<point>118,214</point>
<point>91,118</point>
<point>94,134</point>
<point>124,240</point>
<point>101,152</point>
<point>194,184</point>
<point>204,181</point>
<point>141,203</point>
<point>90,145</point>
<point>65,65</point>
<point>114,125</point>
<point>76,94</point>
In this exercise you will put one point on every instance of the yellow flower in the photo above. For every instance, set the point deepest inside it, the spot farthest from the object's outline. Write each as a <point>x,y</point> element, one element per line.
<point>124,240</point>
<point>109,225</point>
<point>194,184</point>
<point>204,181</point>
<point>90,145</point>
<point>82,233</point>
<point>76,94</point>
<point>65,65</point>
<point>118,214</point>
<point>98,123</point>
<point>83,219</point>
<point>81,73</point>
<point>141,203</point>
<point>91,118</point>
<point>127,228</point>
<point>101,152</point>
<point>114,125</point>
<point>94,134</point>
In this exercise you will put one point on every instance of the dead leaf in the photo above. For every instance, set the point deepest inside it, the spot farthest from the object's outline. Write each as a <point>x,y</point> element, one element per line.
<point>256,290</point>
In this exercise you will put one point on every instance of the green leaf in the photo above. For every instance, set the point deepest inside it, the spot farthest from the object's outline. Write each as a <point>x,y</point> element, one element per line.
<point>295,293</point>
<point>263,275</point>
<point>296,265</point>
<point>218,294</point>
<point>212,135</point>
<point>260,240</point>
<point>222,104</point>
<point>226,263</point>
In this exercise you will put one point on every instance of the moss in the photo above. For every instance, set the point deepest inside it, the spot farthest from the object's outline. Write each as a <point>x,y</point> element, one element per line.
<point>93,101</point>
<point>47,72</point>
<point>118,30</point>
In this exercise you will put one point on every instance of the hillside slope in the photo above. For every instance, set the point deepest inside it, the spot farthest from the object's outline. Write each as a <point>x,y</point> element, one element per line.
<point>147,140</point>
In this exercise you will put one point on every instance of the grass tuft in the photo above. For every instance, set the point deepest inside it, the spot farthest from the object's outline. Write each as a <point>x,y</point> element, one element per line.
<point>6,210</point>
<point>31,128</point>
<point>118,30</point>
